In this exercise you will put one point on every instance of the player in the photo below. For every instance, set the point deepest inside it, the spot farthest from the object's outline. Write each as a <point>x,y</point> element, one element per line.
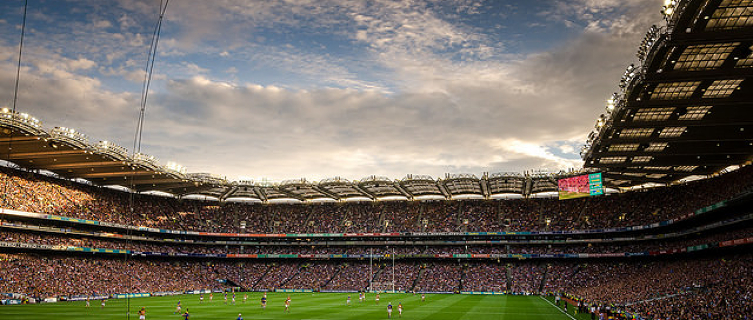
<point>287,304</point>
<point>245,297</point>
<point>103,303</point>
<point>264,301</point>
<point>360,297</point>
<point>389,310</point>
<point>400,309</point>
<point>225,297</point>
<point>239,317</point>
<point>186,315</point>
<point>211,296</point>
<point>201,298</point>
<point>177,308</point>
<point>423,297</point>
<point>347,302</point>
<point>142,313</point>
<point>87,302</point>
<point>233,298</point>
<point>377,299</point>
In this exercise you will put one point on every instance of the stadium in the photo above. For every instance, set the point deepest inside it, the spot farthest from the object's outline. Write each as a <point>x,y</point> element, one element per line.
<point>655,225</point>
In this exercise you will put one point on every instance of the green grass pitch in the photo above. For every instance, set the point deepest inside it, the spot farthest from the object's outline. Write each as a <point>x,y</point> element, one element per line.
<point>305,306</point>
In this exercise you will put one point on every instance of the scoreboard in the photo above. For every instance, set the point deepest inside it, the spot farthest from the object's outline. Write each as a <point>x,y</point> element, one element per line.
<point>586,185</point>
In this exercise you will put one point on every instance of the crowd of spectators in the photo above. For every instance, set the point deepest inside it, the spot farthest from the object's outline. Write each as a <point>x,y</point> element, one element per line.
<point>43,194</point>
<point>485,276</point>
<point>727,295</point>
<point>311,275</point>
<point>351,277</point>
<point>67,239</point>
<point>527,277</point>
<point>698,288</point>
<point>439,277</point>
<point>402,275</point>
<point>277,275</point>
<point>659,288</point>
<point>43,276</point>
<point>706,288</point>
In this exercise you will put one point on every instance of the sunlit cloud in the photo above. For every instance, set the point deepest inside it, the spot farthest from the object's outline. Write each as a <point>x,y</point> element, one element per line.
<point>317,89</point>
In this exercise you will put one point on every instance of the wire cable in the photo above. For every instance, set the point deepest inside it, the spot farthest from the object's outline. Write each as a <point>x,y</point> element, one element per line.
<point>148,71</point>
<point>15,100</point>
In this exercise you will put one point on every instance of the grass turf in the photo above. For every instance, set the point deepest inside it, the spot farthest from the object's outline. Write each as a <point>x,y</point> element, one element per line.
<point>305,306</point>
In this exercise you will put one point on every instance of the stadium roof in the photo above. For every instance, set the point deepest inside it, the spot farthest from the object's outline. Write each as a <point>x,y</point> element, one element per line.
<point>70,154</point>
<point>686,110</point>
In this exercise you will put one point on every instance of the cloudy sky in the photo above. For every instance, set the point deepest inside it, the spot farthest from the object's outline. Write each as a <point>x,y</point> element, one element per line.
<point>322,88</point>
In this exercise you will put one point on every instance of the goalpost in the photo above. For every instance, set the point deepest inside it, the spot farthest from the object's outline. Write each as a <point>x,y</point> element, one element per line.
<point>381,286</point>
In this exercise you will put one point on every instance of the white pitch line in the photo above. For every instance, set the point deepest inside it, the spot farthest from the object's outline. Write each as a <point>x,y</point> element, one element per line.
<point>556,307</point>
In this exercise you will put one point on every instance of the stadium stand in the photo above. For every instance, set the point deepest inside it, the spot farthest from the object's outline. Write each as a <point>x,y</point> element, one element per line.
<point>654,285</point>
<point>626,209</point>
<point>676,251</point>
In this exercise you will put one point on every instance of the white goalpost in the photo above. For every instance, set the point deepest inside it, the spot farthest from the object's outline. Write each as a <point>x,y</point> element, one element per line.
<point>385,285</point>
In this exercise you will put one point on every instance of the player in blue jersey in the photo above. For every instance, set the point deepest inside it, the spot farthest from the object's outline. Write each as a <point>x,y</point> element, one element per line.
<point>389,310</point>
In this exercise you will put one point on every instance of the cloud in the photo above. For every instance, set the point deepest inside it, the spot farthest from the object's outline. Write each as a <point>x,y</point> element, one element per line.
<point>421,92</point>
<point>338,132</point>
<point>131,74</point>
<point>80,64</point>
<point>595,14</point>
<point>516,149</point>
<point>62,98</point>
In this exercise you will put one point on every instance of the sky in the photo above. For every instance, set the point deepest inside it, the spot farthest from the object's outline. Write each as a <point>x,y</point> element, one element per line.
<point>289,89</point>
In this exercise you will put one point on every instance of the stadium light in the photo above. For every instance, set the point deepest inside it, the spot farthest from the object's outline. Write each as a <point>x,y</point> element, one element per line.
<point>172,166</point>
<point>627,77</point>
<point>651,38</point>
<point>669,8</point>
<point>601,121</point>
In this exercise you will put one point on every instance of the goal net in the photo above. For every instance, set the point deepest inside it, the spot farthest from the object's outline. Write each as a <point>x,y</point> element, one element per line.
<point>381,286</point>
